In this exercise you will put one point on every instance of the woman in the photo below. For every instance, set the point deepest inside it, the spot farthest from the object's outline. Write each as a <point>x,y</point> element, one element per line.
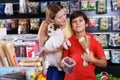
<point>54,14</point>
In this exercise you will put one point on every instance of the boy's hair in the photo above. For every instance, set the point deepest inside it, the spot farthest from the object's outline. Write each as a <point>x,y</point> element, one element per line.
<point>52,10</point>
<point>76,14</point>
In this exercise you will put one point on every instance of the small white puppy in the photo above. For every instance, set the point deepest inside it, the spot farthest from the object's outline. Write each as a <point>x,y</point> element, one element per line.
<point>55,40</point>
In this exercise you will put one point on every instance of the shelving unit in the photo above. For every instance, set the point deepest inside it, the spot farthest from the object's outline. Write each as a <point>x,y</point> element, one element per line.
<point>18,15</point>
<point>112,68</point>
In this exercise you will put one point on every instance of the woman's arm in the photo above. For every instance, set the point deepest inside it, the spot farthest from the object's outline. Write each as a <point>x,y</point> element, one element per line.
<point>98,38</point>
<point>43,33</point>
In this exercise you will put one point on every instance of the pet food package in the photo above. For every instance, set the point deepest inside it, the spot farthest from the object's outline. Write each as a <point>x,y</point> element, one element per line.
<point>33,7</point>
<point>107,54</point>
<point>104,24</point>
<point>43,6</point>
<point>23,7</point>
<point>8,9</point>
<point>31,50</point>
<point>84,5</point>
<point>114,40</point>
<point>14,23</point>
<point>91,5</point>
<point>101,6</point>
<point>8,24</point>
<point>115,5</point>
<point>116,23</point>
<point>34,23</point>
<point>92,22</point>
<point>66,4</point>
<point>104,38</point>
<point>20,51</point>
<point>69,64</point>
<point>23,26</point>
<point>115,56</point>
<point>74,5</point>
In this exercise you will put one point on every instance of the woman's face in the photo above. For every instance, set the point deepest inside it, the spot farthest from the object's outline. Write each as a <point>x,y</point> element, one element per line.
<point>60,18</point>
<point>78,24</point>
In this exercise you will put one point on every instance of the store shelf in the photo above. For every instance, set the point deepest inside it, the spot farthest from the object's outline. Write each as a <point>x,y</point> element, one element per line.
<point>112,68</point>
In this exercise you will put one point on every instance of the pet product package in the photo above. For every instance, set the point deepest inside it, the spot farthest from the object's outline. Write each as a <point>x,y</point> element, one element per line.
<point>14,23</point>
<point>101,7</point>
<point>104,38</point>
<point>115,56</point>
<point>104,24</point>
<point>69,64</point>
<point>115,5</point>
<point>8,9</point>
<point>23,26</point>
<point>107,54</point>
<point>34,23</point>
<point>43,6</point>
<point>114,40</point>
<point>33,7</point>
<point>65,4</point>
<point>84,5</point>
<point>92,22</point>
<point>116,23</point>
<point>74,6</point>
<point>23,7</point>
<point>8,24</point>
<point>91,5</point>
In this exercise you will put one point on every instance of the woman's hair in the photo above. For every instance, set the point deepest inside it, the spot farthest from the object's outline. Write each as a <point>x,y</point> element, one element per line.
<point>76,14</point>
<point>52,10</point>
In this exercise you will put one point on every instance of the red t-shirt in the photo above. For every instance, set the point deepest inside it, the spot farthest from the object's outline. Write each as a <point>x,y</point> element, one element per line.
<point>75,50</point>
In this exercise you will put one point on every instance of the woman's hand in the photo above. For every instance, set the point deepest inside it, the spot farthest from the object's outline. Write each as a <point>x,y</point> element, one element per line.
<point>98,38</point>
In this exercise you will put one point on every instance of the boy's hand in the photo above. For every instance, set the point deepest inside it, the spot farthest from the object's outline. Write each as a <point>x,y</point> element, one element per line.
<point>88,57</point>
<point>62,64</point>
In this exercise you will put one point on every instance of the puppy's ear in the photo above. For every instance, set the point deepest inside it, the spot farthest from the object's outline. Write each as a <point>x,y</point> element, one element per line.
<point>56,26</point>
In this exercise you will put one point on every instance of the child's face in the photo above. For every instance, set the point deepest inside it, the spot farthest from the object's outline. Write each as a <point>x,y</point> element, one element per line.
<point>60,18</point>
<point>78,24</point>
